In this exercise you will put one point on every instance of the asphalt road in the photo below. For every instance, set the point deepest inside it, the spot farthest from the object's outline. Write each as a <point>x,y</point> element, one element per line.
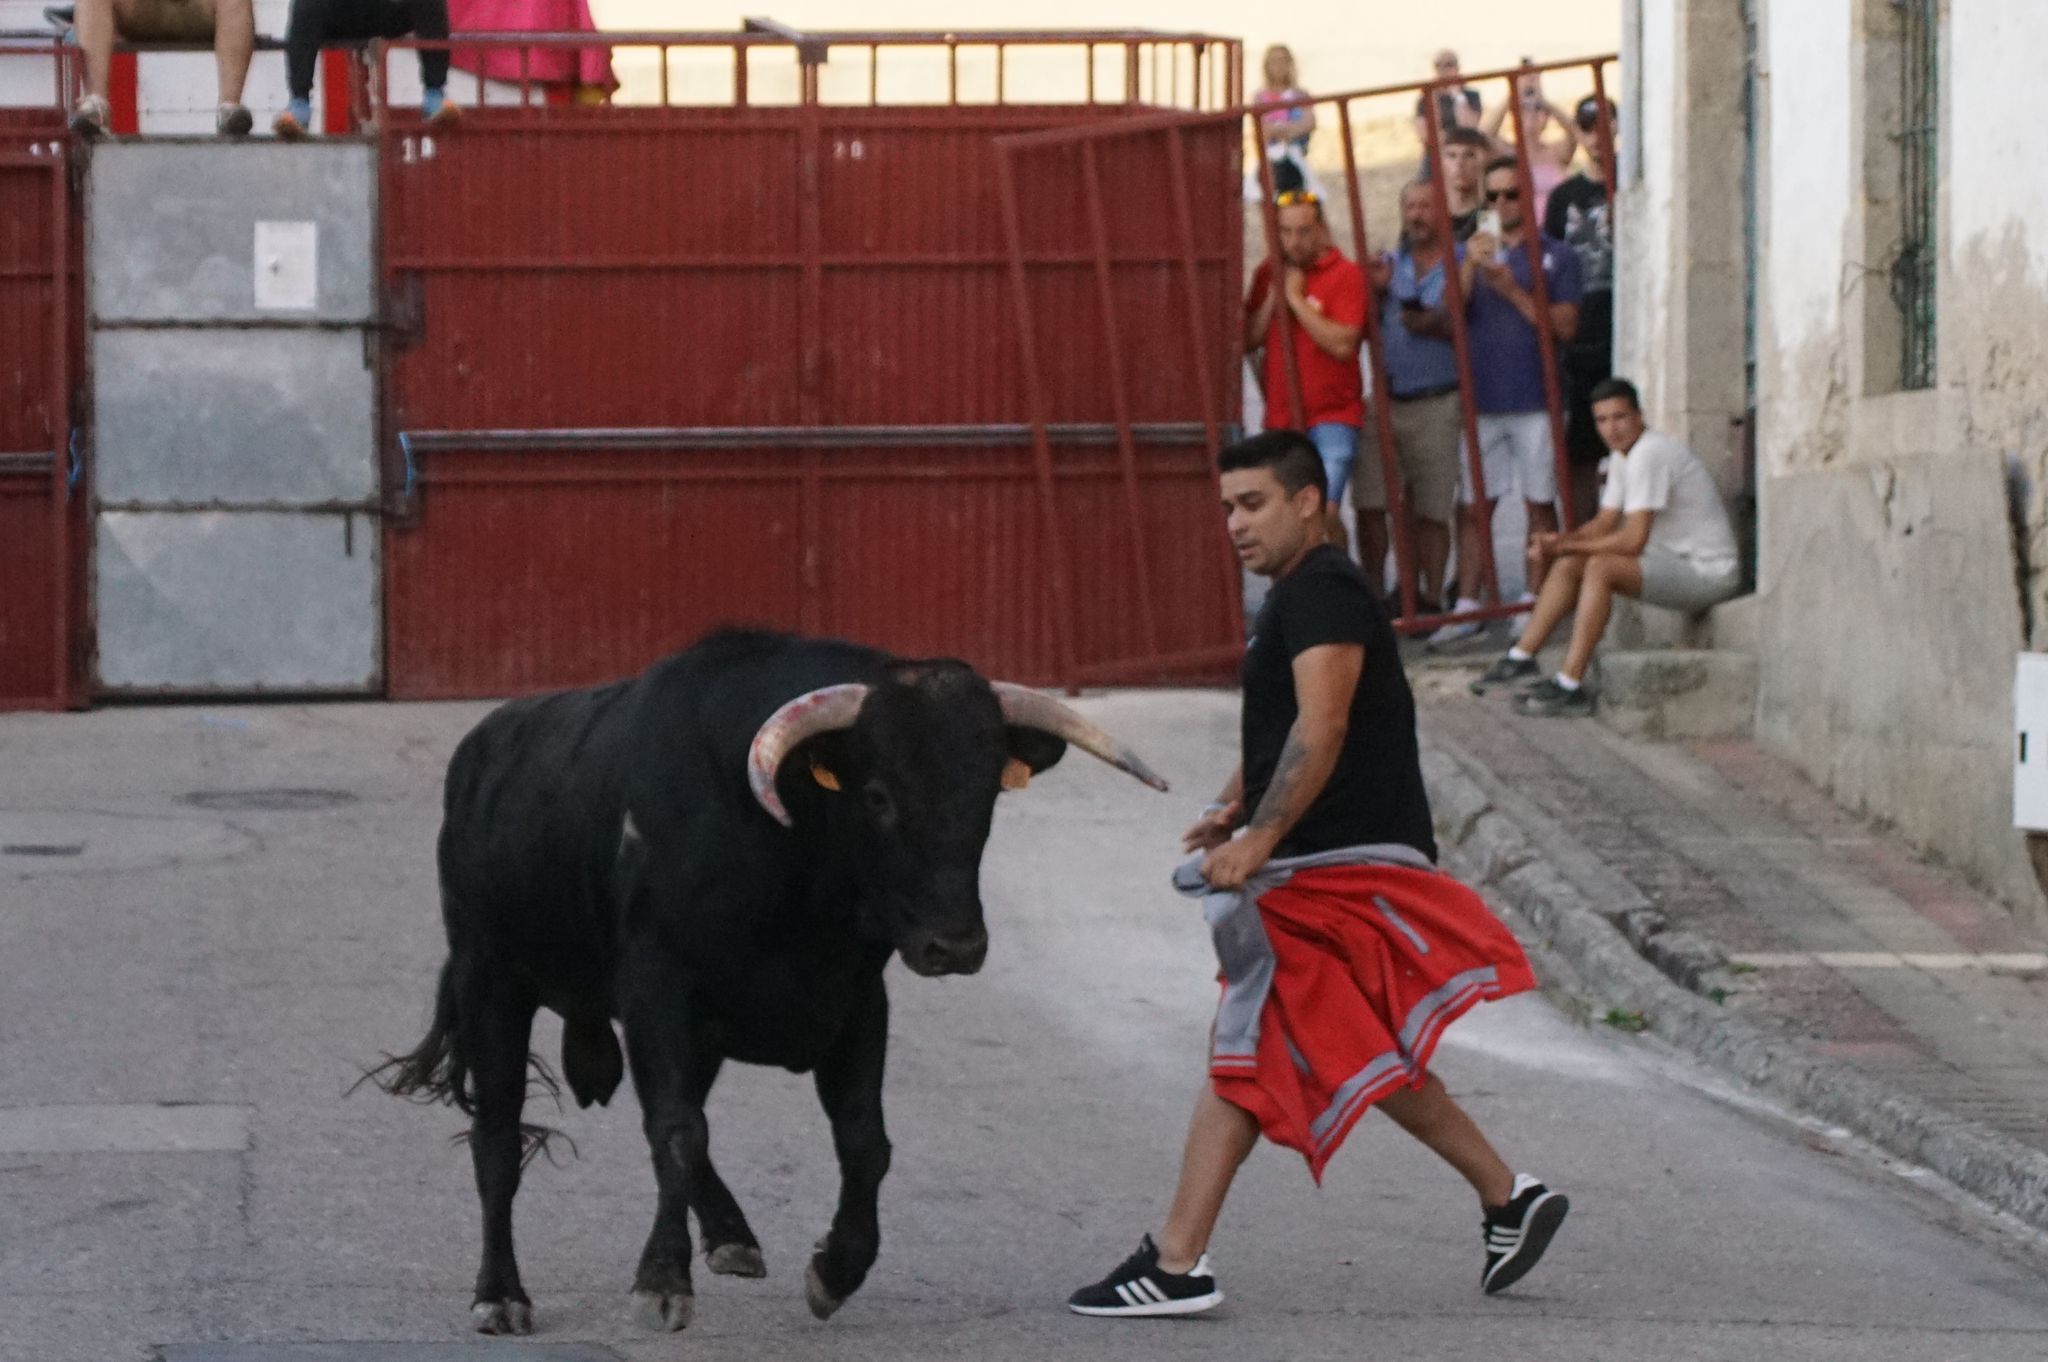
<point>212,917</point>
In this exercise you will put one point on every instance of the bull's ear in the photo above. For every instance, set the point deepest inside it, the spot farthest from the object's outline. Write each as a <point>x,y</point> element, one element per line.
<point>1016,775</point>
<point>1037,749</point>
<point>823,775</point>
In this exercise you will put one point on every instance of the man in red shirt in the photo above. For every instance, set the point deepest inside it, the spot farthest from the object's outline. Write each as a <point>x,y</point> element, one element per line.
<point>1325,298</point>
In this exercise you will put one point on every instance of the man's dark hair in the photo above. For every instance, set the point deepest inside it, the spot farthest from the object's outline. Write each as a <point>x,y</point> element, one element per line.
<point>1467,137</point>
<point>1287,177</point>
<point>1288,453</point>
<point>1617,387</point>
<point>1502,163</point>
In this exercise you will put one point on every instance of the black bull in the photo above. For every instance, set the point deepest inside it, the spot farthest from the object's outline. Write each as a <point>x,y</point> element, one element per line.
<point>721,855</point>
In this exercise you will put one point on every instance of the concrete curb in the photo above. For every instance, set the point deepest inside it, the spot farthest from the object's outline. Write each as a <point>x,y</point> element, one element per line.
<point>1604,932</point>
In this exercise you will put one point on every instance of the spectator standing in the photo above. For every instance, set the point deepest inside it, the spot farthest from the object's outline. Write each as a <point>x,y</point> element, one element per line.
<point>1457,106</point>
<point>1465,153</point>
<point>1506,337</point>
<point>1579,214</point>
<point>230,25</point>
<point>1288,127</point>
<point>1662,535</point>
<point>1324,294</point>
<point>315,22</point>
<point>1422,378</point>
<point>1549,157</point>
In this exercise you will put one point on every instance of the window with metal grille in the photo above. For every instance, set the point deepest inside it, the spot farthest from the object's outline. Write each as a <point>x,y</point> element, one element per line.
<point>1913,270</point>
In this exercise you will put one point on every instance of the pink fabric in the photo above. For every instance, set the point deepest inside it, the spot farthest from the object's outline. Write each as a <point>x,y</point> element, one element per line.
<point>543,65</point>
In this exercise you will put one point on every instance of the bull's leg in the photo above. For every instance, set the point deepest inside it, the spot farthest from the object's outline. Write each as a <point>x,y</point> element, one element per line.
<point>730,1247</point>
<point>659,1052</point>
<point>495,1023</point>
<point>850,1087</point>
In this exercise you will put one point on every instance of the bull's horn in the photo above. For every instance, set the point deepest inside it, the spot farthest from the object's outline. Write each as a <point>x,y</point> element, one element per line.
<point>1029,708</point>
<point>814,712</point>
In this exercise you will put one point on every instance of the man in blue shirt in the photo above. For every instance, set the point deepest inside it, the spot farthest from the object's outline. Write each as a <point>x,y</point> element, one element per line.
<point>1506,337</point>
<point>1422,373</point>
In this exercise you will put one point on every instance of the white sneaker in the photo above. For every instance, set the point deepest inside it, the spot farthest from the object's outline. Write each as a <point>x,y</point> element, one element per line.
<point>91,116</point>
<point>1456,631</point>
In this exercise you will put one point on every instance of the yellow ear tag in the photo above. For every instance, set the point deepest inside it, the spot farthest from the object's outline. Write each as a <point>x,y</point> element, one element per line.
<point>1016,775</point>
<point>824,777</point>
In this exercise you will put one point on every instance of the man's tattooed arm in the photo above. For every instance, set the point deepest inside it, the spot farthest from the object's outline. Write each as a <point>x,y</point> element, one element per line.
<point>1306,762</point>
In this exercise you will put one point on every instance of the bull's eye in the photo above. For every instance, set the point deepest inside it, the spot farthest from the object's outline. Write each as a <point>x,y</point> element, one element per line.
<point>880,807</point>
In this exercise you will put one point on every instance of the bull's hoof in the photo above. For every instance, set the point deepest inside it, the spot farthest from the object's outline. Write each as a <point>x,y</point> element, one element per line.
<point>736,1260</point>
<point>664,1311</point>
<point>822,1302</point>
<point>502,1317</point>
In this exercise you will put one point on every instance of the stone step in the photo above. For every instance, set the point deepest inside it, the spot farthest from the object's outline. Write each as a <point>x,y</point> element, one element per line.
<point>1731,624</point>
<point>1669,694</point>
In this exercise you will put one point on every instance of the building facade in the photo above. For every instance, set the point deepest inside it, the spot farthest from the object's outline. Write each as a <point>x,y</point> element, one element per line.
<point>1834,282</point>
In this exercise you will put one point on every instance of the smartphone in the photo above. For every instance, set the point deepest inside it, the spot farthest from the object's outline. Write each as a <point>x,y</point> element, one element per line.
<point>1489,222</point>
<point>1413,305</point>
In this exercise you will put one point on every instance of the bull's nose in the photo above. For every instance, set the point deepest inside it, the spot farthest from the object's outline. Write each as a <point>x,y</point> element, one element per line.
<point>962,953</point>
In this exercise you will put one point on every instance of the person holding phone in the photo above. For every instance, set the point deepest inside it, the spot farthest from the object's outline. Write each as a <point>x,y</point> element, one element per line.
<point>1422,375</point>
<point>1549,156</point>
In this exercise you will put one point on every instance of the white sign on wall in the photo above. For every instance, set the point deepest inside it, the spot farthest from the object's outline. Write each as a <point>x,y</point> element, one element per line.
<point>287,266</point>
<point>2030,754</point>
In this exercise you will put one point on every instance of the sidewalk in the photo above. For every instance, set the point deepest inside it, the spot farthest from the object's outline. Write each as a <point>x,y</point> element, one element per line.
<point>1799,949</point>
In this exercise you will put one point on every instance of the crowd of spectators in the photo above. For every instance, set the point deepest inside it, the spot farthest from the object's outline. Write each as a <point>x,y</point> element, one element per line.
<point>1496,215</point>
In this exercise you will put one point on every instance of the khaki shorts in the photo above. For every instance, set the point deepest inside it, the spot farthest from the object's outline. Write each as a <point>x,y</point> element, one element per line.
<point>1678,583</point>
<point>165,21</point>
<point>1426,446</point>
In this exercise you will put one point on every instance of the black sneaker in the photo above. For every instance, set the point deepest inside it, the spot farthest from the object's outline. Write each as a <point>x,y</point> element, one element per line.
<point>1551,700</point>
<point>1518,1232</point>
<point>1504,671</point>
<point>1138,1287</point>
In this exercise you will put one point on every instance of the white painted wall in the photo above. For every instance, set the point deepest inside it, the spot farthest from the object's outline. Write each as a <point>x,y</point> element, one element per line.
<point>1807,174</point>
<point>1997,106</point>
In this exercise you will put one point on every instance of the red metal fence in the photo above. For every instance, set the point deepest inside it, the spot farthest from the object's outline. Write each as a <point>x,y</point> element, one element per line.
<point>38,516</point>
<point>659,368</point>
<point>1082,176</point>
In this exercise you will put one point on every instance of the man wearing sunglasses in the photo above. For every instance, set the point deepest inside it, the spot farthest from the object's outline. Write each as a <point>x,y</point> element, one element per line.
<point>1324,294</point>
<point>1506,336</point>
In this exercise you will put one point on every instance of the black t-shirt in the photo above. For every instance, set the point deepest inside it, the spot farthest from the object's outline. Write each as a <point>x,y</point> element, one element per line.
<point>1578,213</point>
<point>1375,794</point>
<point>1463,225</point>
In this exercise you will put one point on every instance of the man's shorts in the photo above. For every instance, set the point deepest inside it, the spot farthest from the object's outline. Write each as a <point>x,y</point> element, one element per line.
<point>1338,444</point>
<point>1677,583</point>
<point>1426,444</point>
<point>165,21</point>
<point>1515,452</point>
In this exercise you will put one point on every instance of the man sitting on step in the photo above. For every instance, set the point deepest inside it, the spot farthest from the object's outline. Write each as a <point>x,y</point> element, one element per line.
<point>230,25</point>
<point>1662,536</point>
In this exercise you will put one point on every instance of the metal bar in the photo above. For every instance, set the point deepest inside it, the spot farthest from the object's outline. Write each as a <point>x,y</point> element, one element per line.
<point>1238,108</point>
<point>60,426</point>
<point>989,435</point>
<point>1131,73</point>
<point>1128,670</point>
<point>1119,395</point>
<point>1276,280</point>
<point>1461,350</point>
<point>952,75</point>
<point>811,338</point>
<point>1035,398</point>
<point>739,74</point>
<point>661,55</point>
<point>1485,614</point>
<point>1002,56</point>
<point>832,260</point>
<point>1539,286</point>
<point>1206,386</point>
<point>1091,73</point>
<point>1382,391</point>
<point>35,461</point>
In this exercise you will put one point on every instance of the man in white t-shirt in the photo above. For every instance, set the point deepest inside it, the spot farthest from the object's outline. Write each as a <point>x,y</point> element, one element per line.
<point>1662,536</point>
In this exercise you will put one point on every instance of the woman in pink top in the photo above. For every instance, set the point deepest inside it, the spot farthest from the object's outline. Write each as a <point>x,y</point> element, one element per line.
<point>1284,127</point>
<point>1549,157</point>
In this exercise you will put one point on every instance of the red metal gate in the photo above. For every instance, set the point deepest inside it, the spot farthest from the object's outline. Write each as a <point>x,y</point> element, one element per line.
<point>38,519</point>
<point>662,368</point>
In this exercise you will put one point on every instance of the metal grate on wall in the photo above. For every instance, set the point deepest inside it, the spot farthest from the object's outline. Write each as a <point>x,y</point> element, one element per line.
<point>1913,274</point>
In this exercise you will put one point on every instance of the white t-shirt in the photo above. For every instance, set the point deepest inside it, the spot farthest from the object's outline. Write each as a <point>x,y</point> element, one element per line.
<point>1660,474</point>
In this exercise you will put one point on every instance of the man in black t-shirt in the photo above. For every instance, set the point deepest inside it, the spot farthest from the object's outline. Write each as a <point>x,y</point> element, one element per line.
<point>1579,213</point>
<point>1329,764</point>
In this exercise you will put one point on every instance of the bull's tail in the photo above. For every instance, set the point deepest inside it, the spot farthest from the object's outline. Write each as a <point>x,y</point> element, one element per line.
<point>436,1070</point>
